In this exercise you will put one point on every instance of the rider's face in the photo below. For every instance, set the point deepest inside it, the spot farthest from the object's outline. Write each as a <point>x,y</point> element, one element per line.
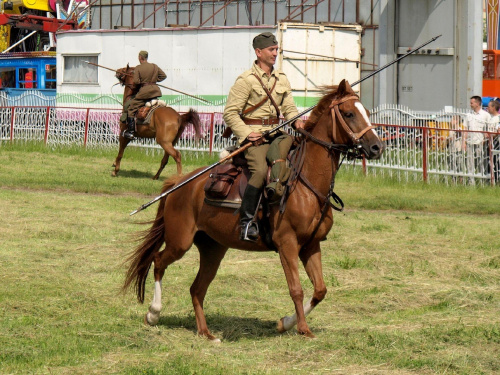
<point>267,55</point>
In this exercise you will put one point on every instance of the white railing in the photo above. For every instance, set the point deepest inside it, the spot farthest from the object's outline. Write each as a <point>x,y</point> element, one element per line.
<point>435,147</point>
<point>420,147</point>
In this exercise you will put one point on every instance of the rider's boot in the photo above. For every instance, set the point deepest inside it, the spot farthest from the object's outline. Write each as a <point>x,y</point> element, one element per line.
<point>129,133</point>
<point>249,227</point>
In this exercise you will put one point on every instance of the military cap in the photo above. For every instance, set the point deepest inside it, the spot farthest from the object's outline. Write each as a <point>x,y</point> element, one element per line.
<point>264,40</point>
<point>144,54</point>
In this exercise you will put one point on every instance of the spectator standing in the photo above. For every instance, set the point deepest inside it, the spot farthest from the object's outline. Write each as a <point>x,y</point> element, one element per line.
<point>476,122</point>
<point>28,77</point>
<point>494,127</point>
<point>456,147</point>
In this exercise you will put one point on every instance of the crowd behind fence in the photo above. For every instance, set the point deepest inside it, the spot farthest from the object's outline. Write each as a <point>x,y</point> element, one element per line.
<point>420,146</point>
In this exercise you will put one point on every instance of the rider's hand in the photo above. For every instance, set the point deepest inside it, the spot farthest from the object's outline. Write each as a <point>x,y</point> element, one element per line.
<point>299,124</point>
<point>253,136</point>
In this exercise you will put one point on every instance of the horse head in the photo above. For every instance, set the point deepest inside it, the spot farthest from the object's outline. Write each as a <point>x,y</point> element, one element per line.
<point>125,75</point>
<point>351,123</point>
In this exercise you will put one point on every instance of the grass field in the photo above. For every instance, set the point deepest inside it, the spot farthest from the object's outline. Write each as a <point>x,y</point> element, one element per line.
<point>413,277</point>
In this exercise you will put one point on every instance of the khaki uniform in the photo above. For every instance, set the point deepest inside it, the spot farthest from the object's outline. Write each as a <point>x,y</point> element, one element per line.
<point>145,75</point>
<point>247,92</point>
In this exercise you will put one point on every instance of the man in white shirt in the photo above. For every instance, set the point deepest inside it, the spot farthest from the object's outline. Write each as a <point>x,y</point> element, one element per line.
<point>494,127</point>
<point>477,121</point>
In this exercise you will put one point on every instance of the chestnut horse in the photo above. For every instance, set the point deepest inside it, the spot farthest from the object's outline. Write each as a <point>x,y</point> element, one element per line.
<point>183,218</point>
<point>166,126</point>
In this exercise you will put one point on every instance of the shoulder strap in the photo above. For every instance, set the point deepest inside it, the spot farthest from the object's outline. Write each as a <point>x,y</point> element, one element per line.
<point>269,93</point>
<point>254,107</point>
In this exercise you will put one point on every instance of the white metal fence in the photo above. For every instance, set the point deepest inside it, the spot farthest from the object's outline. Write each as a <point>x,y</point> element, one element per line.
<point>420,147</point>
<point>436,147</point>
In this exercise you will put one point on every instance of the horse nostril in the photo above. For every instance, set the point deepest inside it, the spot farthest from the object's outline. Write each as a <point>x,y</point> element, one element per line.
<point>375,149</point>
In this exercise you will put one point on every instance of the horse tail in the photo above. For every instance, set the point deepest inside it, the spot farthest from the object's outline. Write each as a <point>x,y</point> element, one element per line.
<point>152,240</point>
<point>190,117</point>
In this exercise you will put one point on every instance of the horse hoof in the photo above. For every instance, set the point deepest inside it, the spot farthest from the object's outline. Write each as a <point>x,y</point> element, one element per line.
<point>151,320</point>
<point>308,335</point>
<point>114,165</point>
<point>211,338</point>
<point>280,327</point>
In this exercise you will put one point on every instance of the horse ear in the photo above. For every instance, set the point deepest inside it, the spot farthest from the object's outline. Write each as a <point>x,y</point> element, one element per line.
<point>341,90</point>
<point>348,87</point>
<point>127,66</point>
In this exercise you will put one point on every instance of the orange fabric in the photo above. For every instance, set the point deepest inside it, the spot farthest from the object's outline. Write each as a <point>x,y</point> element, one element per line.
<point>28,77</point>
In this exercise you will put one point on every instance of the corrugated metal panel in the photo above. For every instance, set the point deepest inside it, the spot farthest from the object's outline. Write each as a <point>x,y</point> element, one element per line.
<point>309,51</point>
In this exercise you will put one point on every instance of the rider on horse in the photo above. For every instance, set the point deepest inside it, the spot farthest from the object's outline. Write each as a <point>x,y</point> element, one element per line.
<point>253,106</point>
<point>145,77</point>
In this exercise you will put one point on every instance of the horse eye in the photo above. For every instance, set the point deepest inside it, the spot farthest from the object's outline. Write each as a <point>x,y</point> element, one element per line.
<point>349,115</point>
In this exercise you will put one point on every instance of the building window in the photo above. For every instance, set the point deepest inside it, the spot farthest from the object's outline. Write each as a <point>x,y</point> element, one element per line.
<point>27,78</point>
<point>50,76</point>
<point>7,77</point>
<point>76,70</point>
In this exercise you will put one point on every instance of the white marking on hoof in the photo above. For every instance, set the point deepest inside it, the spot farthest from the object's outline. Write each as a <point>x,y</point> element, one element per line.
<point>216,341</point>
<point>288,322</point>
<point>153,315</point>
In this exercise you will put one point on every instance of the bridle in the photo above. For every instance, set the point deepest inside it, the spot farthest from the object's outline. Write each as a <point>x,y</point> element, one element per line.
<point>352,151</point>
<point>331,200</point>
<point>121,77</point>
<point>334,107</point>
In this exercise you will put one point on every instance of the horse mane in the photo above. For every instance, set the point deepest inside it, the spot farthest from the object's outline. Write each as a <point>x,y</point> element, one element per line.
<point>329,94</point>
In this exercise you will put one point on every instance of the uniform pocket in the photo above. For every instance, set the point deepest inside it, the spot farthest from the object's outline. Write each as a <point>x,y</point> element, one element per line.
<point>258,91</point>
<point>279,91</point>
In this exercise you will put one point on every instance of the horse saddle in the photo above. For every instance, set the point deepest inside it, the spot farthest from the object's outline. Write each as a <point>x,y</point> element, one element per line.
<point>227,183</point>
<point>145,113</point>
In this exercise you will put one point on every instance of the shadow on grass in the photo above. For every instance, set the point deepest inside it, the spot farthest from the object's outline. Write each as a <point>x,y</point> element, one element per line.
<point>134,173</point>
<point>228,328</point>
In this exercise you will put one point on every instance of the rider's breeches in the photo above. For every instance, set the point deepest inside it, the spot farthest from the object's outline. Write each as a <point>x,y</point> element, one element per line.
<point>257,164</point>
<point>258,159</point>
<point>123,117</point>
<point>277,154</point>
<point>134,106</point>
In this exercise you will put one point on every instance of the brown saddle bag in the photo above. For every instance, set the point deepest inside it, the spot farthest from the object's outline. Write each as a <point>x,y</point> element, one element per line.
<point>220,182</point>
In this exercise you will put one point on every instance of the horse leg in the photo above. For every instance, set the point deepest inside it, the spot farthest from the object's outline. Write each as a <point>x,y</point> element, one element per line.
<point>123,143</point>
<point>311,259</point>
<point>289,254</point>
<point>211,254</point>
<point>164,162</point>
<point>161,261</point>
<point>169,151</point>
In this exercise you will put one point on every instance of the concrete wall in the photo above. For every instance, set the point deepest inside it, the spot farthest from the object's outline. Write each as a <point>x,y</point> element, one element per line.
<point>206,61</point>
<point>449,70</point>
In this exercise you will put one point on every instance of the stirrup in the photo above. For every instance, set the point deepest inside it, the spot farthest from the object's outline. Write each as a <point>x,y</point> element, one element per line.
<point>244,232</point>
<point>128,135</point>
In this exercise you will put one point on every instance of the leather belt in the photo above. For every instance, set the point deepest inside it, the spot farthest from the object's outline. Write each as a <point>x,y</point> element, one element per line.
<point>262,122</point>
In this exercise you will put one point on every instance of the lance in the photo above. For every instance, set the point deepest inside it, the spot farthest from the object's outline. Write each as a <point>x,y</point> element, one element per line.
<point>165,87</point>
<point>244,146</point>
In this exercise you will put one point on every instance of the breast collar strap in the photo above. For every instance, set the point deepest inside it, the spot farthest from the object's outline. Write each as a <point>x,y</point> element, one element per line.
<point>334,106</point>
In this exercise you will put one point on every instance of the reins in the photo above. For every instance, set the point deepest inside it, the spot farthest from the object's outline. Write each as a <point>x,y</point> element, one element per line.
<point>297,163</point>
<point>334,106</point>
